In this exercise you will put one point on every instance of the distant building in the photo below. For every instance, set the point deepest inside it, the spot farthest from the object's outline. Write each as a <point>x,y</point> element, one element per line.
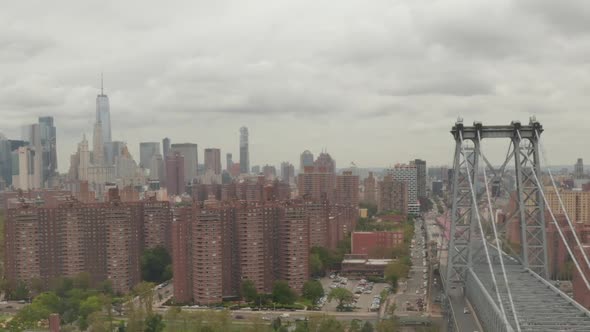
<point>165,147</point>
<point>316,185</point>
<point>325,163</point>
<point>103,114</point>
<point>393,195</point>
<point>347,189</point>
<point>287,172</point>
<point>25,172</point>
<point>420,177</point>
<point>579,169</point>
<point>375,244</point>
<point>175,174</point>
<point>408,174</point>
<point>244,151</point>
<point>370,189</point>
<point>191,159</point>
<point>112,150</point>
<point>213,160</point>
<point>306,160</point>
<point>48,144</point>
<point>437,188</point>
<point>255,170</point>
<point>228,162</point>
<point>147,150</point>
<point>269,172</point>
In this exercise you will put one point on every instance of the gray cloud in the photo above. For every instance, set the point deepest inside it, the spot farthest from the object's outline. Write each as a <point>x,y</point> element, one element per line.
<point>301,75</point>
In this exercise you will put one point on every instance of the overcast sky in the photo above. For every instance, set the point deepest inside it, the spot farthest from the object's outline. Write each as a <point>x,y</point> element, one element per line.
<point>374,82</point>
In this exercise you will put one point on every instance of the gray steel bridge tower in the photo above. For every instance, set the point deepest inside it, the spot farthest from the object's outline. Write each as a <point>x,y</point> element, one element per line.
<point>465,243</point>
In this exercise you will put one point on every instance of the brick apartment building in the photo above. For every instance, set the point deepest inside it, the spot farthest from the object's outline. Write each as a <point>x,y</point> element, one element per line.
<point>392,195</point>
<point>218,244</point>
<point>103,239</point>
<point>373,243</point>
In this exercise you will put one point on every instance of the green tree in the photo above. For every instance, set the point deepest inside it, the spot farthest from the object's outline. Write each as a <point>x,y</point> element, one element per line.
<point>156,265</point>
<point>154,323</point>
<point>248,290</point>
<point>342,295</point>
<point>368,327</point>
<point>22,291</point>
<point>316,266</point>
<point>82,280</point>
<point>387,325</point>
<point>282,293</point>
<point>324,323</point>
<point>48,300</point>
<point>313,290</point>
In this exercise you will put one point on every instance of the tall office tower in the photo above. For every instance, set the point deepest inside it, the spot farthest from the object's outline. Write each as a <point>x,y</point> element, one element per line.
<point>191,158</point>
<point>347,189</point>
<point>287,172</point>
<point>97,145</point>
<point>147,150</point>
<point>165,147</point>
<point>84,159</point>
<point>579,169</point>
<point>244,152</point>
<point>48,150</point>
<point>213,160</point>
<point>228,162</point>
<point>370,186</point>
<point>325,163</point>
<point>24,173</point>
<point>32,134</point>
<point>392,195</point>
<point>103,113</point>
<point>420,176</point>
<point>157,168</point>
<point>5,160</point>
<point>305,160</point>
<point>112,150</point>
<point>255,170</point>
<point>408,174</point>
<point>175,174</point>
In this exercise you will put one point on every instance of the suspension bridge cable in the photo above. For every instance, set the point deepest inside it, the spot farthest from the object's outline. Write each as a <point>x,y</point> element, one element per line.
<point>483,238</point>
<point>569,250</point>
<point>563,206</point>
<point>485,179</point>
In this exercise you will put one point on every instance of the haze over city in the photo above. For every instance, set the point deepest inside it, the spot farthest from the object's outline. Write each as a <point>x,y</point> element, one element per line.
<point>360,79</point>
<point>295,166</point>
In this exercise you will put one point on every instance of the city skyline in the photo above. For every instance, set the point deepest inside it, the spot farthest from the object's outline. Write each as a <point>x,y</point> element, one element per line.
<point>355,80</point>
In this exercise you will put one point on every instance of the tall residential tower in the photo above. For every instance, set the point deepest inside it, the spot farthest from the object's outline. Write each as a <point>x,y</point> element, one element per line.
<point>244,152</point>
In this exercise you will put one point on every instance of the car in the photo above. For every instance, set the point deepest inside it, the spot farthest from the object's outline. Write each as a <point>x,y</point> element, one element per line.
<point>239,317</point>
<point>266,318</point>
<point>285,316</point>
<point>417,291</point>
<point>465,310</point>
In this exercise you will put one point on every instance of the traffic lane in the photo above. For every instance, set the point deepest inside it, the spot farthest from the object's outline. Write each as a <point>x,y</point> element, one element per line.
<point>465,322</point>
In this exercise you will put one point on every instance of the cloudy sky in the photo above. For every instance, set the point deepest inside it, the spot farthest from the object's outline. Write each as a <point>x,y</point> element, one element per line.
<point>373,82</point>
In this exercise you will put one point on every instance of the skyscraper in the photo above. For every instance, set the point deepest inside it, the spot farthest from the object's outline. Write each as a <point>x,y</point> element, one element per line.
<point>165,147</point>
<point>147,150</point>
<point>420,176</point>
<point>306,159</point>
<point>32,134</point>
<point>579,169</point>
<point>98,145</point>
<point>175,179</point>
<point>191,158</point>
<point>244,152</point>
<point>228,161</point>
<point>48,149</point>
<point>287,172</point>
<point>103,113</point>
<point>213,160</point>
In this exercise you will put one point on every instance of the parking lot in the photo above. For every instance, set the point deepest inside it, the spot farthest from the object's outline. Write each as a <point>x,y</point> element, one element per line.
<point>363,300</point>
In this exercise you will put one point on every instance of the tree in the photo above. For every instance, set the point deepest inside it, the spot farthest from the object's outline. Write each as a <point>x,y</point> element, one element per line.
<point>282,293</point>
<point>324,323</point>
<point>342,295</point>
<point>145,292</point>
<point>155,264</point>
<point>368,327</point>
<point>82,280</point>
<point>22,291</point>
<point>154,323</point>
<point>387,325</point>
<point>248,289</point>
<point>313,290</point>
<point>315,265</point>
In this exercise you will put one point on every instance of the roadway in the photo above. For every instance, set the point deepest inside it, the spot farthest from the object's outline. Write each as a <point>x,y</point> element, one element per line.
<point>463,321</point>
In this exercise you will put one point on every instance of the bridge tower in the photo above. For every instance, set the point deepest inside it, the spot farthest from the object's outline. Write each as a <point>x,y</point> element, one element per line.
<point>465,243</point>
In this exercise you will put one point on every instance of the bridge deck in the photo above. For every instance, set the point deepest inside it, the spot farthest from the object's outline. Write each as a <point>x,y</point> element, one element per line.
<point>538,306</point>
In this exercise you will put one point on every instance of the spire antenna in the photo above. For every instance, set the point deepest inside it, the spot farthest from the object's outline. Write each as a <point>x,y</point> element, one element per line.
<point>101,85</point>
